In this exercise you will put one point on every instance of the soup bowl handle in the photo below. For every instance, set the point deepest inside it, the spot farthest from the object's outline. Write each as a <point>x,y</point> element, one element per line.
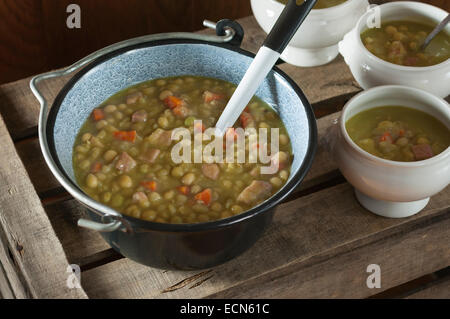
<point>227,31</point>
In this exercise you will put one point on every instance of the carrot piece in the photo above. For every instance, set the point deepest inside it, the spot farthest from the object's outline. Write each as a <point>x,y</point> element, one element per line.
<point>386,137</point>
<point>128,136</point>
<point>204,196</point>
<point>151,185</point>
<point>246,119</point>
<point>173,102</point>
<point>209,96</point>
<point>183,189</point>
<point>180,111</point>
<point>401,133</point>
<point>96,167</point>
<point>98,114</point>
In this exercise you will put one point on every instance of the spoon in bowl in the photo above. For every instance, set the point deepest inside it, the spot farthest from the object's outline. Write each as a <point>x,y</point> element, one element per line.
<point>436,30</point>
<point>279,37</point>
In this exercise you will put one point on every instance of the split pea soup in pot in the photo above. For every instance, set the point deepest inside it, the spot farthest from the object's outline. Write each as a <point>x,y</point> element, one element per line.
<point>122,156</point>
<point>321,4</point>
<point>398,133</point>
<point>399,42</point>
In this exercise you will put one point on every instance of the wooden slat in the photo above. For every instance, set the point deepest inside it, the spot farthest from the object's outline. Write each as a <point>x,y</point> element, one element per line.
<point>43,180</point>
<point>27,237</point>
<point>436,290</point>
<point>78,243</point>
<point>317,246</point>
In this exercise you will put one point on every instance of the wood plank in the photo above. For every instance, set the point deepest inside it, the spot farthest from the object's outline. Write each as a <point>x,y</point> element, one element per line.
<point>29,245</point>
<point>78,243</point>
<point>37,28</point>
<point>324,82</point>
<point>19,107</point>
<point>11,285</point>
<point>440,289</point>
<point>317,246</point>
<point>43,180</point>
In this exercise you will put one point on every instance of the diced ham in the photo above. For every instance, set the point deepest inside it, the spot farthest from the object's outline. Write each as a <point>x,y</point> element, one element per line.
<point>161,137</point>
<point>132,98</point>
<point>139,197</point>
<point>150,155</point>
<point>139,116</point>
<point>255,192</point>
<point>96,167</point>
<point>125,162</point>
<point>209,96</point>
<point>211,171</point>
<point>422,151</point>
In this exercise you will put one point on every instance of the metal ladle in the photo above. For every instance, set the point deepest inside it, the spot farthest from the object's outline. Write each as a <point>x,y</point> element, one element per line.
<point>281,34</point>
<point>435,32</point>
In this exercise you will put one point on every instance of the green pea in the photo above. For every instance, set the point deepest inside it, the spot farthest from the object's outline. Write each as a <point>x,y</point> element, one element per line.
<point>189,121</point>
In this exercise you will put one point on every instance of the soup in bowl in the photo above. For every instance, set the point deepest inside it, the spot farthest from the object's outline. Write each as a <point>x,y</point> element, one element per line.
<point>393,146</point>
<point>390,53</point>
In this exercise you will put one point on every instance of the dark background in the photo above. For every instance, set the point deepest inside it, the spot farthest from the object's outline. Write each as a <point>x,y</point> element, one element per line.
<point>34,37</point>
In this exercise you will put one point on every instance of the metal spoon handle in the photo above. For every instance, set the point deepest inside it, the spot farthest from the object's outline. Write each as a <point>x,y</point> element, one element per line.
<point>436,30</point>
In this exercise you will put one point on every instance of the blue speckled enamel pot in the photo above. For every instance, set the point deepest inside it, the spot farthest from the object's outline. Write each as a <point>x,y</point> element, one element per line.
<point>167,246</point>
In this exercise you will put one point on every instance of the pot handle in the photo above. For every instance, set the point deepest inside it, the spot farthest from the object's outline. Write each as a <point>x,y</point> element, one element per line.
<point>227,31</point>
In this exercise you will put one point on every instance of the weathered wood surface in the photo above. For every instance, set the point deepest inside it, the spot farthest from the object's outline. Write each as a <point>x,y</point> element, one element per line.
<point>319,244</point>
<point>31,255</point>
<point>436,290</point>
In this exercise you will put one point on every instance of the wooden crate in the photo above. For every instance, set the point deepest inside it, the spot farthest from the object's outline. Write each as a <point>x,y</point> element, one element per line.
<point>319,245</point>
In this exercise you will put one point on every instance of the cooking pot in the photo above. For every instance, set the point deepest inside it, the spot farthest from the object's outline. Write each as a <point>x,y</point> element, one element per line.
<point>112,69</point>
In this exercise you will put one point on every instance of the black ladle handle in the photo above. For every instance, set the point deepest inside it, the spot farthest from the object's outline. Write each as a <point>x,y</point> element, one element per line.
<point>288,23</point>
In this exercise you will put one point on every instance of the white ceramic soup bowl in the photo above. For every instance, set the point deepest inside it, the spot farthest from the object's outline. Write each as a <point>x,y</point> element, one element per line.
<point>371,71</point>
<point>315,43</point>
<point>384,187</point>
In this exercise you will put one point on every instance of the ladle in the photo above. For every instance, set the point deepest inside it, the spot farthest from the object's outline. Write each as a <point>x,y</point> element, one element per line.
<point>435,32</point>
<point>282,32</point>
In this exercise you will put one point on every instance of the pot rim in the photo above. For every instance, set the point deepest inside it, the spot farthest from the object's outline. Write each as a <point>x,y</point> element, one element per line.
<point>265,206</point>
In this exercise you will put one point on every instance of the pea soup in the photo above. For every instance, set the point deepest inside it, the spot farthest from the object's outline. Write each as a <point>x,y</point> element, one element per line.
<point>398,133</point>
<point>399,42</point>
<point>122,154</point>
